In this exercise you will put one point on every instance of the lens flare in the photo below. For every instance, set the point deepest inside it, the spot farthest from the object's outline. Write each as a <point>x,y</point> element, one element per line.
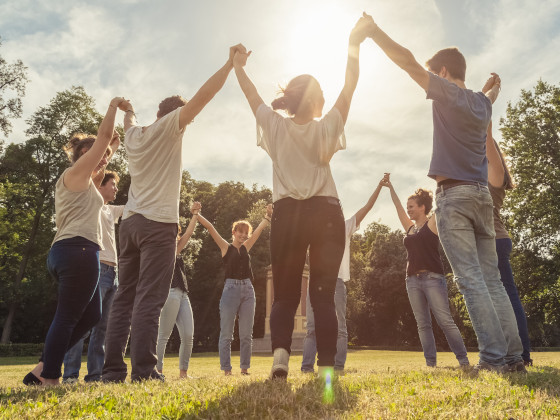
<point>328,392</point>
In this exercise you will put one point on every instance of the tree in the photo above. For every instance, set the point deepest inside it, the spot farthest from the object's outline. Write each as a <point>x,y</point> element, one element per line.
<point>13,77</point>
<point>35,166</point>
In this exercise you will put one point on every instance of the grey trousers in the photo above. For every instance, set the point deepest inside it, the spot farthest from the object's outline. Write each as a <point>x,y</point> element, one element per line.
<point>146,263</point>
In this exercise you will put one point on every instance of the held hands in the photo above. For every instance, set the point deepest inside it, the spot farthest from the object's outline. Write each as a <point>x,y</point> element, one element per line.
<point>240,59</point>
<point>371,26</point>
<point>117,101</point>
<point>239,48</point>
<point>115,140</point>
<point>196,207</point>
<point>493,81</point>
<point>361,30</point>
<point>385,181</point>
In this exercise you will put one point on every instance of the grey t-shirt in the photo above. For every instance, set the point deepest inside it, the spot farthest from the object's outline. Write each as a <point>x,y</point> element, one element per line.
<point>461,117</point>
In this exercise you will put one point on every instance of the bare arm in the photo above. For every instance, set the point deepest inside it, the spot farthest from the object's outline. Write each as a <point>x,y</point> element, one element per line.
<point>257,232</point>
<point>221,242</point>
<point>401,212</point>
<point>492,87</point>
<point>79,175</point>
<point>360,214</point>
<point>208,90</point>
<point>247,86</point>
<point>357,36</point>
<point>115,143</point>
<point>129,117</point>
<point>182,242</point>
<point>496,169</point>
<point>401,56</point>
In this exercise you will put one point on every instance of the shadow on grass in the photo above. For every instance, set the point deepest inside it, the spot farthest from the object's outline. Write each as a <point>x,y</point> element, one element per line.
<point>278,399</point>
<point>543,378</point>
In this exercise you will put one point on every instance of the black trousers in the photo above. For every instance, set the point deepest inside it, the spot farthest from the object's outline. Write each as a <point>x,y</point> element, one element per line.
<point>316,224</point>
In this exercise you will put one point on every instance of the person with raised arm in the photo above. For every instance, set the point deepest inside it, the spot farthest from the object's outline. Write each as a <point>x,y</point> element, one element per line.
<point>307,211</point>
<point>73,260</point>
<point>425,278</point>
<point>238,295</point>
<point>463,202</point>
<point>148,232</point>
<point>351,225</point>
<point>177,309</point>
<point>499,181</point>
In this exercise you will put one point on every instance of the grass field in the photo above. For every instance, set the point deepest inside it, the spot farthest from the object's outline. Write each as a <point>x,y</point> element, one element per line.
<point>377,384</point>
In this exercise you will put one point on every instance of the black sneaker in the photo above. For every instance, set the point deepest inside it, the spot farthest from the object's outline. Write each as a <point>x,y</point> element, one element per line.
<point>528,362</point>
<point>154,376</point>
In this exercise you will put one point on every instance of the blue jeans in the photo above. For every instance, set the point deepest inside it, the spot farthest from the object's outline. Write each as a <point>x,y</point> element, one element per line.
<point>466,231</point>
<point>238,299</point>
<point>177,310</point>
<point>428,291</point>
<point>503,248</point>
<point>310,342</point>
<point>96,347</point>
<point>74,264</point>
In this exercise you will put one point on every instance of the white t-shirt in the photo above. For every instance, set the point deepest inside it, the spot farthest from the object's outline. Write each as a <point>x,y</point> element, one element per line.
<point>300,153</point>
<point>154,163</point>
<point>109,217</point>
<point>350,229</point>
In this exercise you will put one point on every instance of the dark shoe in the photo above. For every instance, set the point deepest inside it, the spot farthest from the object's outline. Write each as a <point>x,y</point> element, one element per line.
<point>517,367</point>
<point>528,362</point>
<point>487,367</point>
<point>245,373</point>
<point>154,376</point>
<point>31,379</point>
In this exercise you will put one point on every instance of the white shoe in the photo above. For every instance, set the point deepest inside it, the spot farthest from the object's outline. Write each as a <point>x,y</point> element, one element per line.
<point>280,364</point>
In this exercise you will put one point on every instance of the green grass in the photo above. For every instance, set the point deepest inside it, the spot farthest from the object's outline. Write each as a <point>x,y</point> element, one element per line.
<point>378,384</point>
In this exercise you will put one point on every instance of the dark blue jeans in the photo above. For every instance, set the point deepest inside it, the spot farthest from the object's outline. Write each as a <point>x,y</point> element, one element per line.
<point>503,248</point>
<point>74,264</point>
<point>318,224</point>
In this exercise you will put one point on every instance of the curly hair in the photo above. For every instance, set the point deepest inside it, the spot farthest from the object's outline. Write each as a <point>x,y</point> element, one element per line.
<point>241,224</point>
<point>423,198</point>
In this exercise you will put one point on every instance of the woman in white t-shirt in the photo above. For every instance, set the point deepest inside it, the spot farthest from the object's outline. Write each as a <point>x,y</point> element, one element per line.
<point>307,212</point>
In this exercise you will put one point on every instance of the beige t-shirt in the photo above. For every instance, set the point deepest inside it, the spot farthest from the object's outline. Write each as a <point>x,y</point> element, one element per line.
<point>300,153</point>
<point>350,228</point>
<point>154,163</point>
<point>77,213</point>
<point>109,217</point>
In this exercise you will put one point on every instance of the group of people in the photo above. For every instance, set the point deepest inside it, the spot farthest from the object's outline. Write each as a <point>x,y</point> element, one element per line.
<point>306,220</point>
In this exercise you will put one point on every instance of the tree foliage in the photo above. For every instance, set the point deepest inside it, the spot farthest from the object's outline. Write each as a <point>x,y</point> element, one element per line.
<point>13,79</point>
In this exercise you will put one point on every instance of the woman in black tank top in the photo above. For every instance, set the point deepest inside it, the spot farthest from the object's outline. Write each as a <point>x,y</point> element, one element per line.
<point>238,296</point>
<point>425,281</point>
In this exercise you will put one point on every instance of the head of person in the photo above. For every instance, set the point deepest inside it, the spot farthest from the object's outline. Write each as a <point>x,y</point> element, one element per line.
<point>170,104</point>
<point>419,204</point>
<point>108,187</point>
<point>451,60</point>
<point>79,144</point>
<point>241,230</point>
<point>303,95</point>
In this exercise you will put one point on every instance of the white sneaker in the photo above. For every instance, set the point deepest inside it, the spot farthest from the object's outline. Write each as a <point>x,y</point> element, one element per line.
<point>70,381</point>
<point>280,364</point>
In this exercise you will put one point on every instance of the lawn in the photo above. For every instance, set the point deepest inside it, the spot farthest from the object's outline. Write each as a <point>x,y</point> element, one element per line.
<point>377,384</point>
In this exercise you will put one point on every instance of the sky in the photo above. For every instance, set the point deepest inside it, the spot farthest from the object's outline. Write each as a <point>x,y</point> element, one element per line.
<point>145,51</point>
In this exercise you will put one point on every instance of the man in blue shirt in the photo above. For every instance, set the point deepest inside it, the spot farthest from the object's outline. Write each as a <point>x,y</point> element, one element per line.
<point>464,205</point>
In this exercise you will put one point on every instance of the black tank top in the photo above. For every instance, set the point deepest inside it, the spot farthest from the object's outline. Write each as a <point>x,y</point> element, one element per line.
<point>422,251</point>
<point>237,264</point>
<point>179,277</point>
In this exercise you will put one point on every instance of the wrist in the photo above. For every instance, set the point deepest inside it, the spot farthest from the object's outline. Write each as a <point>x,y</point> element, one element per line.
<point>267,219</point>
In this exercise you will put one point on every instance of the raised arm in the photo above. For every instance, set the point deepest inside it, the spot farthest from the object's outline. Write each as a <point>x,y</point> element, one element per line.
<point>129,116</point>
<point>492,87</point>
<point>401,212</point>
<point>208,90</point>
<point>496,169</point>
<point>257,232</point>
<point>401,56</point>
<point>357,36</point>
<point>221,242</point>
<point>182,242</point>
<point>247,86</point>
<point>78,176</point>
<point>360,214</point>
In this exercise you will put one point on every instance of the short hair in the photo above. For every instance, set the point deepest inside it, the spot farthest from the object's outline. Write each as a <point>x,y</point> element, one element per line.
<point>423,198</point>
<point>170,104</point>
<point>293,94</point>
<point>110,175</point>
<point>242,223</point>
<point>78,144</point>
<point>452,60</point>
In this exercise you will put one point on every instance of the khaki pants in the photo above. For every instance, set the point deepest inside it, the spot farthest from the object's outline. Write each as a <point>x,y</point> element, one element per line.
<point>146,263</point>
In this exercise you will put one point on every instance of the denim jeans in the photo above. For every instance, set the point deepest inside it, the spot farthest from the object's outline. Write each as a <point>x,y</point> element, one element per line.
<point>238,299</point>
<point>466,231</point>
<point>503,248</point>
<point>428,291</point>
<point>177,310</point>
<point>96,347</point>
<point>316,224</point>
<point>310,342</point>
<point>74,264</point>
